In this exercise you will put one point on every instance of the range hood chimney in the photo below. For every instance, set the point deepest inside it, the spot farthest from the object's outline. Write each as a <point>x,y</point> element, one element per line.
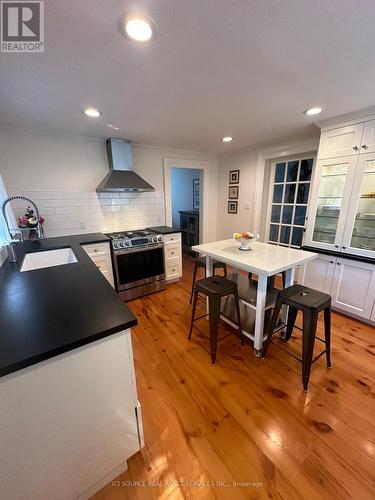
<point>121,177</point>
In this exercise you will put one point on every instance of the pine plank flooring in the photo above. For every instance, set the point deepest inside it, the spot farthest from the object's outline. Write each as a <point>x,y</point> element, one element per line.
<point>247,420</point>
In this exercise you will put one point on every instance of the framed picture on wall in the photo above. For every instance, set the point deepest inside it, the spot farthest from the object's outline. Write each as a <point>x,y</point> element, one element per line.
<point>232,207</point>
<point>196,193</point>
<point>234,176</point>
<point>233,192</point>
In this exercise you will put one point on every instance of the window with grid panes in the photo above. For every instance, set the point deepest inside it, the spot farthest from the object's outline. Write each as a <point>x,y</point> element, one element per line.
<point>290,187</point>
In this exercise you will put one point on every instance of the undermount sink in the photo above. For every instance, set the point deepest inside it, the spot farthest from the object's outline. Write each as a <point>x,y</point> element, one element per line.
<point>48,258</point>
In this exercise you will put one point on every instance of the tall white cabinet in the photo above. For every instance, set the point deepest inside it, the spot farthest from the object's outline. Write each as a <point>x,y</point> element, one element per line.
<point>341,218</point>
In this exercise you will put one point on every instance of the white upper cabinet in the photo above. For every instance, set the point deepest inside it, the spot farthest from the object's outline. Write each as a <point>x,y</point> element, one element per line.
<point>341,141</point>
<point>341,214</point>
<point>329,202</point>
<point>359,232</point>
<point>368,138</point>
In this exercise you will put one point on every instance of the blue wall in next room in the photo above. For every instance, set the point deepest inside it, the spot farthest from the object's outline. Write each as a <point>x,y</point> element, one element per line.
<point>182,191</point>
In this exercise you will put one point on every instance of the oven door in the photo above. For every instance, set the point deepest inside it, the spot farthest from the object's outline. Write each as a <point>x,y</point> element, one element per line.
<point>138,266</point>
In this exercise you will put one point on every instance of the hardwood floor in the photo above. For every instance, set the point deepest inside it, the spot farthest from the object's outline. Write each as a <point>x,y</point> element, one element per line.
<point>247,420</point>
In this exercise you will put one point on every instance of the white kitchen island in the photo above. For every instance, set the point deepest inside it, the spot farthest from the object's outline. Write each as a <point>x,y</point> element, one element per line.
<point>265,260</point>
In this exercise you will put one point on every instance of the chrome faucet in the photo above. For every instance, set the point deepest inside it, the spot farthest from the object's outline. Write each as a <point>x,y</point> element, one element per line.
<point>14,239</point>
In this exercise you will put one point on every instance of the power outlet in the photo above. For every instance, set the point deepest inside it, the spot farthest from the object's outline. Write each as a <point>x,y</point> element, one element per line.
<point>82,225</point>
<point>247,205</point>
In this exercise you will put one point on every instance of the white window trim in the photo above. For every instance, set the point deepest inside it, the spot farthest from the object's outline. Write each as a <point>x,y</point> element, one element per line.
<point>270,194</point>
<point>293,149</point>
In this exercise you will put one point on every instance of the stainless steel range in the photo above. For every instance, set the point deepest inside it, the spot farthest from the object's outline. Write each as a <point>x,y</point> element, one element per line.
<point>138,261</point>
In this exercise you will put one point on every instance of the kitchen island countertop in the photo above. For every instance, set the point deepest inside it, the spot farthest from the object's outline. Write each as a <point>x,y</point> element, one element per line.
<point>50,311</point>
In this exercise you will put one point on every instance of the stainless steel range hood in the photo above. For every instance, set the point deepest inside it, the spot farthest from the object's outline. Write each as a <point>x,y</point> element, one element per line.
<point>121,177</point>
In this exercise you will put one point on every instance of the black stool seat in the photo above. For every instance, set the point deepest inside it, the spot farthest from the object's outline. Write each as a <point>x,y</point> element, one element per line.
<point>303,297</point>
<point>215,285</point>
<point>201,262</point>
<point>311,302</point>
<point>214,288</point>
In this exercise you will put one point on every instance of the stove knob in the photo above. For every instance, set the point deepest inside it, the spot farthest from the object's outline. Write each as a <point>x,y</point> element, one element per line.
<point>160,238</point>
<point>154,239</point>
<point>127,243</point>
<point>122,244</point>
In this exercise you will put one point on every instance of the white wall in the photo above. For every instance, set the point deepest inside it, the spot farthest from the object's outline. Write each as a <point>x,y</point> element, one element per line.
<point>182,191</point>
<point>253,164</point>
<point>61,172</point>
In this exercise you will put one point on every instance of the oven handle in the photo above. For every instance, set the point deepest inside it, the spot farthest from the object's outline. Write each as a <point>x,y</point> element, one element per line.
<point>141,248</point>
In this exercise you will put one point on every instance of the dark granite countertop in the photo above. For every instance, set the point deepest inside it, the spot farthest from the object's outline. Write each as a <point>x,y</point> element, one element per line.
<point>46,312</point>
<point>164,229</point>
<point>339,254</point>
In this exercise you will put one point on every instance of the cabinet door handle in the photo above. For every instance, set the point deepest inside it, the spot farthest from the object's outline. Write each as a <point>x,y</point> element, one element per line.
<point>331,261</point>
<point>364,146</point>
<point>339,263</point>
<point>343,248</point>
<point>336,246</point>
<point>356,148</point>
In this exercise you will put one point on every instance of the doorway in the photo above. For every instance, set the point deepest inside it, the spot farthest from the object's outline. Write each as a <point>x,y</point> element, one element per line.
<point>203,167</point>
<point>186,195</point>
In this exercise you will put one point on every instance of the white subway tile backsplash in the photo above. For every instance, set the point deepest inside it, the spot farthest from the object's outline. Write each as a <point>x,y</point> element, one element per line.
<point>75,212</point>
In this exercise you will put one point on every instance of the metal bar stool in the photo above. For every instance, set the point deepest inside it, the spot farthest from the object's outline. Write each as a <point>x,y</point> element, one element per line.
<point>215,287</point>
<point>201,262</point>
<point>311,303</point>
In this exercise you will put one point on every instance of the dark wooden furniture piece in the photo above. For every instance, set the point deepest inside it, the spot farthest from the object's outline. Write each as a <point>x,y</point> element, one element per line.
<point>189,226</point>
<point>311,303</point>
<point>201,262</point>
<point>215,287</point>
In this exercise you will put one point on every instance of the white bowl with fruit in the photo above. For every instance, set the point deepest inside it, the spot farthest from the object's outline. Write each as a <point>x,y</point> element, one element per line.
<point>246,238</point>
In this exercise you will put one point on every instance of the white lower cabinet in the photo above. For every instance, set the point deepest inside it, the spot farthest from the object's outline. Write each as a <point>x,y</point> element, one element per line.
<point>70,423</point>
<point>100,254</point>
<point>172,256</point>
<point>353,287</point>
<point>351,283</point>
<point>318,273</point>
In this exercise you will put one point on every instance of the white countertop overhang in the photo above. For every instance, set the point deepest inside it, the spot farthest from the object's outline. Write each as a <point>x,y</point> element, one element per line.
<point>264,258</point>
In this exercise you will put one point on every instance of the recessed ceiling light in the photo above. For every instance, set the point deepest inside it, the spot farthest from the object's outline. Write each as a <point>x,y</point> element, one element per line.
<point>137,27</point>
<point>313,111</point>
<point>110,125</point>
<point>227,139</point>
<point>92,112</point>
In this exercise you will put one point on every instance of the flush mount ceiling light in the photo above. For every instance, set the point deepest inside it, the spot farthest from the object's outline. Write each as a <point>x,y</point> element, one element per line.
<point>92,112</point>
<point>313,111</point>
<point>110,125</point>
<point>137,26</point>
<point>227,139</point>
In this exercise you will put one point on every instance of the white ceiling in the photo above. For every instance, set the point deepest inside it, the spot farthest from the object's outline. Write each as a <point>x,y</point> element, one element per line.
<point>246,68</point>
